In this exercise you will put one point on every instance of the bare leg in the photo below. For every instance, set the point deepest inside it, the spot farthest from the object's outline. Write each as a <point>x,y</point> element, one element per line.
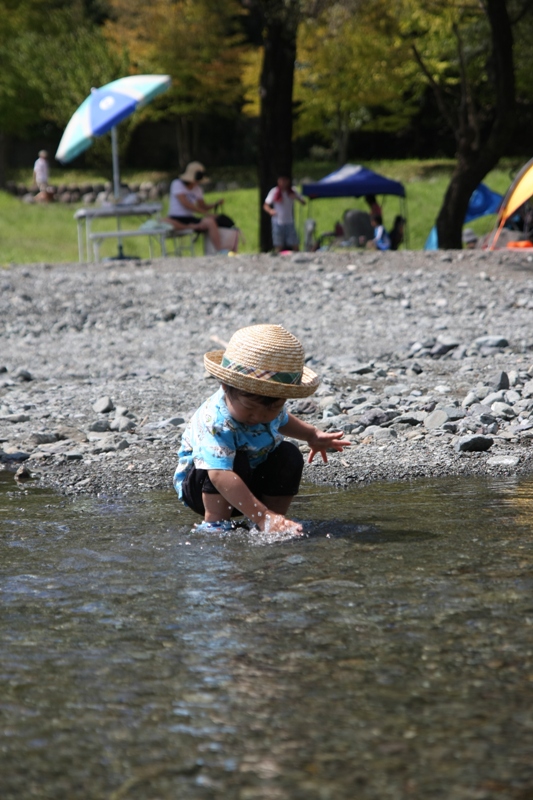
<point>216,507</point>
<point>209,224</point>
<point>279,505</point>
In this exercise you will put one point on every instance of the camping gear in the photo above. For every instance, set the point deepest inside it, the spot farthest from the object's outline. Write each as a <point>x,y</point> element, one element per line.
<point>101,112</point>
<point>354,180</point>
<point>519,192</point>
<point>482,201</point>
<point>265,360</point>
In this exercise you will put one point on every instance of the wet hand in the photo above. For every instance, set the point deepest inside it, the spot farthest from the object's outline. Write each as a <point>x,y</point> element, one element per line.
<point>322,440</point>
<point>277,523</point>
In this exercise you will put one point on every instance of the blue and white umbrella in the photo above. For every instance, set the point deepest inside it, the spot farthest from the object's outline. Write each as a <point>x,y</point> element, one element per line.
<point>103,110</point>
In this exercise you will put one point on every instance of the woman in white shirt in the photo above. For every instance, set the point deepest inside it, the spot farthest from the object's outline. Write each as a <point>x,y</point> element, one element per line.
<point>187,200</point>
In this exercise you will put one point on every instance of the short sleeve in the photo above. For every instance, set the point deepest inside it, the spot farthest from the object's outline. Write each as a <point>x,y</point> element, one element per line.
<point>270,197</point>
<point>215,448</point>
<point>283,418</point>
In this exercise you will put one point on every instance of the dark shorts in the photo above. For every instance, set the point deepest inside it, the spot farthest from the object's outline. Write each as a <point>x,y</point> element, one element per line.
<point>187,220</point>
<point>278,476</point>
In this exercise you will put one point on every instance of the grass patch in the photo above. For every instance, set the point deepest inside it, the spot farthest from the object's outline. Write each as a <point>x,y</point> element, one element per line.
<point>37,233</point>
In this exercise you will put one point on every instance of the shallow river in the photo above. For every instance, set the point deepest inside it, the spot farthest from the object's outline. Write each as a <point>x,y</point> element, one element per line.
<point>386,655</point>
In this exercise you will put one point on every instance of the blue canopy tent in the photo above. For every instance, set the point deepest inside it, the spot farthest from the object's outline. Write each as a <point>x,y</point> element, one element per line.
<point>483,201</point>
<point>353,180</point>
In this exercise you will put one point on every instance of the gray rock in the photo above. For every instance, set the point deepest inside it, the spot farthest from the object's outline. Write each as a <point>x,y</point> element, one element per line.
<point>436,419</point>
<point>476,443</point>
<point>43,438</point>
<point>493,397</point>
<point>15,418</point>
<point>527,391</point>
<point>443,345</point>
<point>23,375</point>
<point>332,410</point>
<point>503,410</point>
<point>498,381</point>
<point>122,424</point>
<point>100,425</point>
<point>512,397</point>
<point>373,416</point>
<point>454,413</point>
<point>104,405</point>
<point>470,399</point>
<point>491,341</point>
<point>360,369</point>
<point>397,388</point>
<point>503,461</point>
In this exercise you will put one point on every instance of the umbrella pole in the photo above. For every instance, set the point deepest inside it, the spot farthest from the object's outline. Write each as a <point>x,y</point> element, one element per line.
<point>114,152</point>
<point>116,181</point>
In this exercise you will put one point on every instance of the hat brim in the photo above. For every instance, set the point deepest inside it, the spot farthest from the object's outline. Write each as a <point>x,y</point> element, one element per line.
<point>191,179</point>
<point>267,388</point>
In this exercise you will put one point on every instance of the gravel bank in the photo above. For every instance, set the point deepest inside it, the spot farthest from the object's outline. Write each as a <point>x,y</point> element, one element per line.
<point>426,361</point>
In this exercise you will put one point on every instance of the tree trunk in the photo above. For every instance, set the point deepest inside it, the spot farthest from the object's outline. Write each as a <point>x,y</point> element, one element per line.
<point>475,160</point>
<point>3,160</point>
<point>183,132</point>
<point>281,19</point>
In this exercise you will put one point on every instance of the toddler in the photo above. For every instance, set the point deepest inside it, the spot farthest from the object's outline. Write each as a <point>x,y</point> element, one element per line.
<point>233,459</point>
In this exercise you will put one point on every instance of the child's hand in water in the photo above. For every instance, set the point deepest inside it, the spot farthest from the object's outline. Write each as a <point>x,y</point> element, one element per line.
<point>277,523</point>
<point>321,440</point>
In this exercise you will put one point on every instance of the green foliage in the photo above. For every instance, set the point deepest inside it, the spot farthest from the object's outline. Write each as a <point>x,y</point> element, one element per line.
<point>194,41</point>
<point>19,103</point>
<point>350,63</point>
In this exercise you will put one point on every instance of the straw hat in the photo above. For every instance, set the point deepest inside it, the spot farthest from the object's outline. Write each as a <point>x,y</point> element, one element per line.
<point>191,170</point>
<point>265,360</point>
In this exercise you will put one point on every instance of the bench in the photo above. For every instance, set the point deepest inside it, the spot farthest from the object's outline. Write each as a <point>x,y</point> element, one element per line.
<point>98,237</point>
<point>183,240</point>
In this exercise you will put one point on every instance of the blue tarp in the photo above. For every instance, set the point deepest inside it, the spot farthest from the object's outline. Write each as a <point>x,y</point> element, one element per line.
<point>352,181</point>
<point>482,202</point>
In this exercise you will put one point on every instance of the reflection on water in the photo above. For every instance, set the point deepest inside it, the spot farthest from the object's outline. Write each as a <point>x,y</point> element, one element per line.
<point>386,655</point>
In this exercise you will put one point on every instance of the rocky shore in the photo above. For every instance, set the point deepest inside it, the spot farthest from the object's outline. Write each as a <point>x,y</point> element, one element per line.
<point>426,361</point>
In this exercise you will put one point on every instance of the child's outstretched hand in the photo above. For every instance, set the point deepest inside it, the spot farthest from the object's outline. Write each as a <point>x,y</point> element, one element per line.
<point>277,523</point>
<point>322,440</point>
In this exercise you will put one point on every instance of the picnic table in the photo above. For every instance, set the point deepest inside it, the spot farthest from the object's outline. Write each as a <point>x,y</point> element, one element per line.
<point>87,238</point>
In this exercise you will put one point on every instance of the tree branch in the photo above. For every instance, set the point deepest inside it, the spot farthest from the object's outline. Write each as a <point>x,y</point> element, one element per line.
<point>439,95</point>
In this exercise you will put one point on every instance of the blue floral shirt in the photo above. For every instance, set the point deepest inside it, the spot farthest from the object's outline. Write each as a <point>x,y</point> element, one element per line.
<point>212,438</point>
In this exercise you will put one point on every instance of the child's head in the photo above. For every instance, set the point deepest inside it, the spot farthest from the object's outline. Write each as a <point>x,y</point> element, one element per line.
<point>252,409</point>
<point>284,183</point>
<point>263,362</point>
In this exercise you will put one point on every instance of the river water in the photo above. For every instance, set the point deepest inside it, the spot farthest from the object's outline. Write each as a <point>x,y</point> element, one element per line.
<point>388,654</point>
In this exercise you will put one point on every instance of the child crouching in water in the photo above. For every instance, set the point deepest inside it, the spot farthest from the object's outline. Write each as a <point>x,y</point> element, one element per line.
<point>233,460</point>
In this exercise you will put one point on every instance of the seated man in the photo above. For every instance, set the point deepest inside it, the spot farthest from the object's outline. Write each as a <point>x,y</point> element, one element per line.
<point>381,240</point>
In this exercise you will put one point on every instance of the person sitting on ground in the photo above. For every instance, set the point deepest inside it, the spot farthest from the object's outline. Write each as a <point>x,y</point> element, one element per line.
<point>233,460</point>
<point>279,204</point>
<point>187,200</point>
<point>470,239</point>
<point>397,232</point>
<point>381,240</point>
